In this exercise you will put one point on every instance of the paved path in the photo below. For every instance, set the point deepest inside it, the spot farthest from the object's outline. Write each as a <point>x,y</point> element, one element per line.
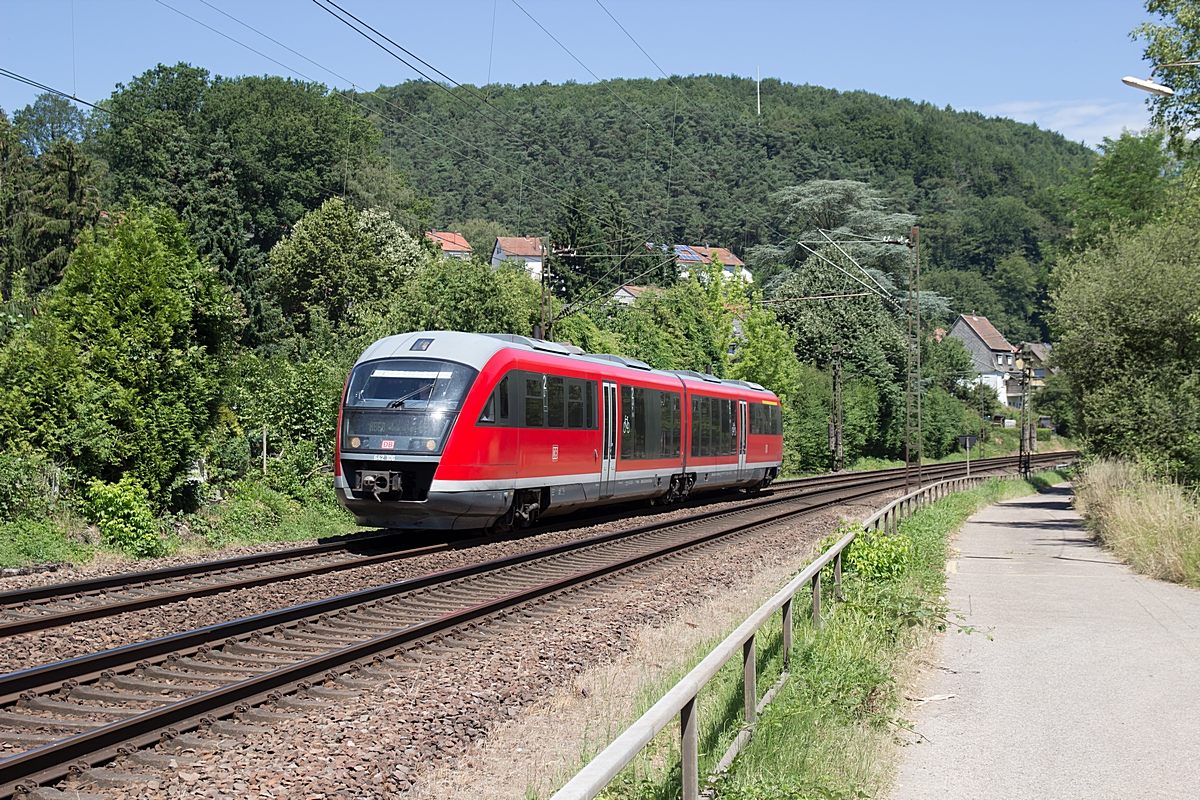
<point>1090,687</point>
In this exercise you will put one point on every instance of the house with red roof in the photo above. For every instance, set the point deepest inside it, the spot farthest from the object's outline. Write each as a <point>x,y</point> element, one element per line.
<point>526,249</point>
<point>453,244</point>
<point>689,256</point>
<point>626,295</point>
<point>993,357</point>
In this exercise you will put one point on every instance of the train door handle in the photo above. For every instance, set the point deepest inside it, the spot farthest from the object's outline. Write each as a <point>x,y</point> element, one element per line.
<point>595,454</point>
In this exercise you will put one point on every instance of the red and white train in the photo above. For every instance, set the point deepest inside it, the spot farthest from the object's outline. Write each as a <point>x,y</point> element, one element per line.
<point>447,430</point>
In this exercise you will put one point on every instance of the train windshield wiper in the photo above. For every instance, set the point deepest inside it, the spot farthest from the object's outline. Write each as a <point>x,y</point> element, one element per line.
<point>399,402</point>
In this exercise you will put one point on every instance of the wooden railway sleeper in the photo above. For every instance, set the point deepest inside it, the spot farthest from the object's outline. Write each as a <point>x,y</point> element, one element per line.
<point>255,714</point>
<point>205,667</point>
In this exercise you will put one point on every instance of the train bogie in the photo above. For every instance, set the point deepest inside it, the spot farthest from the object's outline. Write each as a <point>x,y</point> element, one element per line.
<point>450,430</point>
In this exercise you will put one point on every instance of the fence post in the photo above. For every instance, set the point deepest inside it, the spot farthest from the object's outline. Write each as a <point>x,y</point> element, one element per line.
<point>787,632</point>
<point>750,679</point>
<point>837,575</point>
<point>816,590</point>
<point>690,756</point>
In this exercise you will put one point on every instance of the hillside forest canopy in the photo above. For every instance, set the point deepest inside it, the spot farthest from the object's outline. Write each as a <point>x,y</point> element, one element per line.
<point>194,266</point>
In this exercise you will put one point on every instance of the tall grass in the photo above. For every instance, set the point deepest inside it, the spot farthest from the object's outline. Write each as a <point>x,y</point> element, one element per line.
<point>1150,523</point>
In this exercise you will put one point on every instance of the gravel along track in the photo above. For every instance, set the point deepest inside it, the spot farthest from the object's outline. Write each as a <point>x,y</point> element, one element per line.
<point>186,679</point>
<point>32,603</point>
<point>192,673</point>
<point>94,633</point>
<point>380,742</point>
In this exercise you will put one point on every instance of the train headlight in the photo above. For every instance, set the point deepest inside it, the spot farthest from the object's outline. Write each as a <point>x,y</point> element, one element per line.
<point>431,445</point>
<point>355,442</point>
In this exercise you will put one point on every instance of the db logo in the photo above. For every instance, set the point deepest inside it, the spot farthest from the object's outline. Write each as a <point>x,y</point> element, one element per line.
<point>554,453</point>
<point>388,444</point>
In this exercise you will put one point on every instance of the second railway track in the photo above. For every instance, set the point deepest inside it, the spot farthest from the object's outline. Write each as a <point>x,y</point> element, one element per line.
<point>83,712</point>
<point>56,605</point>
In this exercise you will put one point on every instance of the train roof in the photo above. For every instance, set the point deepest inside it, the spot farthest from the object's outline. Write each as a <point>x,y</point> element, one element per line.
<point>476,349</point>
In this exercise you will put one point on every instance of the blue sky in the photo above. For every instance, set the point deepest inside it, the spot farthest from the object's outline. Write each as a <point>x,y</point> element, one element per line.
<point>1055,63</point>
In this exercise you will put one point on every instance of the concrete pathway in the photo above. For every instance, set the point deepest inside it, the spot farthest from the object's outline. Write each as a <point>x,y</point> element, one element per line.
<point>1089,688</point>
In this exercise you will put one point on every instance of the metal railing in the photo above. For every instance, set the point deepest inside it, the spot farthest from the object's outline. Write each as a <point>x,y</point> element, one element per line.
<point>682,698</point>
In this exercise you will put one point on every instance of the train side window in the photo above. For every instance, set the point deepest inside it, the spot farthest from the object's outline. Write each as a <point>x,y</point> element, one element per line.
<point>777,419</point>
<point>695,446</point>
<point>755,419</point>
<point>556,402</point>
<point>488,415</point>
<point>706,427</point>
<point>574,404</point>
<point>633,422</point>
<point>590,403</point>
<point>535,385</point>
<point>502,391</point>
<point>670,425</point>
<point>626,422</point>
<point>639,422</point>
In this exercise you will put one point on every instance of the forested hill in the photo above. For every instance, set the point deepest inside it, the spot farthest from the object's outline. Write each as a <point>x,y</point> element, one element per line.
<point>689,159</point>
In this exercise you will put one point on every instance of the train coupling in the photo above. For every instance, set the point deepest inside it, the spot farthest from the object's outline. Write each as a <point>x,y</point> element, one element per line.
<point>378,483</point>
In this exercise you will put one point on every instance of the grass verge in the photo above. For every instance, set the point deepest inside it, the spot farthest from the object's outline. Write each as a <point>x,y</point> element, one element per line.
<point>829,732</point>
<point>1150,523</point>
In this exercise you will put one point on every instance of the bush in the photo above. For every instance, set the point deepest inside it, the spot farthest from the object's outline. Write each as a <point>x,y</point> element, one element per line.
<point>29,486</point>
<point>122,513</point>
<point>880,557</point>
<point>28,541</point>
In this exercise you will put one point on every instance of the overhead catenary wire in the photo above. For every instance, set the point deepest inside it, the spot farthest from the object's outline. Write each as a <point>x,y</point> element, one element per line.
<point>551,186</point>
<point>378,38</point>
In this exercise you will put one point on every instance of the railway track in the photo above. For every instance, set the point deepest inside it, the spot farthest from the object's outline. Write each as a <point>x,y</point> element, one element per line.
<point>74,715</point>
<point>57,605</point>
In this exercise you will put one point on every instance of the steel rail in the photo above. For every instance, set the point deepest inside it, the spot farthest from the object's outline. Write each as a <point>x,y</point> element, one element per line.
<point>40,762</point>
<point>85,667</point>
<point>70,593</point>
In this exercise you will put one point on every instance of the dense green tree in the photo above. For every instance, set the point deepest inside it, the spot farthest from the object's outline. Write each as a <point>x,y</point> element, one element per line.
<point>336,257</point>
<point>120,373</point>
<point>289,145</point>
<point>50,118</point>
<point>1174,37</point>
<point>1128,318</point>
<point>766,353</point>
<point>14,178</point>
<point>1125,188</point>
<point>481,234</point>
<point>60,202</point>
<point>453,295</point>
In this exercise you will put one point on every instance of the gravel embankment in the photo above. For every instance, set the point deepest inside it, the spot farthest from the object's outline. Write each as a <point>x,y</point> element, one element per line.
<point>386,741</point>
<point>43,647</point>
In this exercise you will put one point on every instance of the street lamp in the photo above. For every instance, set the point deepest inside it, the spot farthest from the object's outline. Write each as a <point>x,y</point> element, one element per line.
<point>1148,84</point>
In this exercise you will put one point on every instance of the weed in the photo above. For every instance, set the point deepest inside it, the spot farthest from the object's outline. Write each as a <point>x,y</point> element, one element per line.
<point>122,513</point>
<point>1149,522</point>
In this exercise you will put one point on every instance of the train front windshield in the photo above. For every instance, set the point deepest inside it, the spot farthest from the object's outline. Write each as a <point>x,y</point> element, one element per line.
<point>403,405</point>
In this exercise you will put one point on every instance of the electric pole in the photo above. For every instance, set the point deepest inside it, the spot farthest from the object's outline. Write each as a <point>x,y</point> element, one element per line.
<point>835,416</point>
<point>912,422</point>
<point>1028,434</point>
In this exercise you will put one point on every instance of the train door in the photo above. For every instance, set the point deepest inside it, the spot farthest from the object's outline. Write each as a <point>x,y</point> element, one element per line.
<point>608,464</point>
<point>743,428</point>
